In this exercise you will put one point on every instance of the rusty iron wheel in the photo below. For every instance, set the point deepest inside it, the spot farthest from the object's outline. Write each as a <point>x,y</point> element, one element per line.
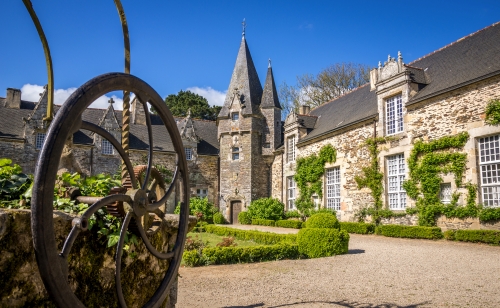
<point>52,263</point>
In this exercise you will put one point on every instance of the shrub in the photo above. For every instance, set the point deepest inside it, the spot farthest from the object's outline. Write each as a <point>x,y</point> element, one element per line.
<point>357,227</point>
<point>430,233</point>
<point>322,242</point>
<point>263,222</point>
<point>194,243</point>
<point>323,220</point>
<point>200,207</point>
<point>200,226</point>
<point>296,224</point>
<point>193,258</point>
<point>219,218</point>
<point>266,208</point>
<point>231,255</point>
<point>292,214</point>
<point>266,238</point>
<point>321,210</point>
<point>244,218</point>
<point>475,236</point>
<point>227,242</point>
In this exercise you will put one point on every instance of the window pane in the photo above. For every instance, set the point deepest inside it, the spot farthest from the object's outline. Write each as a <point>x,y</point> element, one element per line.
<point>489,160</point>
<point>333,188</point>
<point>396,166</point>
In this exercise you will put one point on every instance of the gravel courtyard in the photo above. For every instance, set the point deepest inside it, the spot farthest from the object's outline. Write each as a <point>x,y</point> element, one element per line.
<point>377,272</point>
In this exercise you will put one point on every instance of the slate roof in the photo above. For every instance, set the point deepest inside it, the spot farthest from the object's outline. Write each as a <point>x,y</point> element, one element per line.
<point>270,95</point>
<point>12,126</point>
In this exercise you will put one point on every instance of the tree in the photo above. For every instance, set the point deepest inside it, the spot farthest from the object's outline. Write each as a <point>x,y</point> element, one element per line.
<point>180,103</point>
<point>330,83</point>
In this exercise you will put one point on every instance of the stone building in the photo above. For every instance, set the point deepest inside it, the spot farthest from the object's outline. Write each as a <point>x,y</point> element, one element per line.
<point>249,153</point>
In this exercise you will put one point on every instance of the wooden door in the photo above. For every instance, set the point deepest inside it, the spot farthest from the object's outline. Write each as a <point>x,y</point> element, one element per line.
<point>235,210</point>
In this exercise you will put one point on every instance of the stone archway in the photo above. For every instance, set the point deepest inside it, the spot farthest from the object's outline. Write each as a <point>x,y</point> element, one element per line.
<point>235,210</point>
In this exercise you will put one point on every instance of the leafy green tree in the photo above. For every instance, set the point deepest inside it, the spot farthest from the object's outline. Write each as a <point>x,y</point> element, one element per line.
<point>180,103</point>
<point>266,208</point>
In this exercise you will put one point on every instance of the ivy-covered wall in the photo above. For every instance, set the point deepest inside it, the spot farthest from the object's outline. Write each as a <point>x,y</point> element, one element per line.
<point>91,265</point>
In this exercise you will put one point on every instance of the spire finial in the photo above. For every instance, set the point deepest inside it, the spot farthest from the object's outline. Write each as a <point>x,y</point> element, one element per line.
<point>111,101</point>
<point>244,25</point>
<point>269,65</point>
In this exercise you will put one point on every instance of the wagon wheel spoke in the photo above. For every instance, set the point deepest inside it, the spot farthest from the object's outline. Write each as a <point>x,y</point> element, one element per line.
<point>118,259</point>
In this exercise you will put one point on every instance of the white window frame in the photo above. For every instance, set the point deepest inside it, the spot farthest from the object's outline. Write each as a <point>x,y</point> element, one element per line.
<point>106,147</point>
<point>445,194</point>
<point>333,188</point>
<point>489,166</point>
<point>189,153</point>
<point>290,148</point>
<point>235,153</point>
<point>202,192</point>
<point>396,169</point>
<point>235,116</point>
<point>291,193</point>
<point>394,115</point>
<point>39,140</point>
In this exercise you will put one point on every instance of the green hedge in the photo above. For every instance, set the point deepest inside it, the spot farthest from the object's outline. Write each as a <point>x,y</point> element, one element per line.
<point>296,224</point>
<point>475,236</point>
<point>430,233</point>
<point>266,238</point>
<point>219,219</point>
<point>263,222</point>
<point>323,220</point>
<point>244,218</point>
<point>357,227</point>
<point>231,255</point>
<point>322,242</point>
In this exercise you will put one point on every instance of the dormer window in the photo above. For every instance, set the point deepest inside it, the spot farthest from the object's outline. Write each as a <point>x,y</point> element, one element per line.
<point>189,153</point>
<point>39,140</point>
<point>106,147</point>
<point>236,153</point>
<point>394,115</point>
<point>235,116</point>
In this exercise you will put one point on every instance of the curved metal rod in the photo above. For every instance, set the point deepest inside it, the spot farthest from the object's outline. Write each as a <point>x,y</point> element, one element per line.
<point>167,194</point>
<point>150,137</point>
<point>104,133</point>
<point>152,250</point>
<point>48,59</point>
<point>118,259</point>
<point>73,234</point>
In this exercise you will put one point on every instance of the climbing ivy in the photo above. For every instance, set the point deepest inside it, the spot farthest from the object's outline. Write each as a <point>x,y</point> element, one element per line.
<point>493,112</point>
<point>308,176</point>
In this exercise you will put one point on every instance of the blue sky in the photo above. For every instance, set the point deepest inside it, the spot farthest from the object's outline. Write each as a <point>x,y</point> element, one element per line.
<point>179,45</point>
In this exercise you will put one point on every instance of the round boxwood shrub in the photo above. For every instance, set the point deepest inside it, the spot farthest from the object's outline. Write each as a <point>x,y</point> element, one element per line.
<point>323,220</point>
<point>322,242</point>
<point>219,218</point>
<point>244,218</point>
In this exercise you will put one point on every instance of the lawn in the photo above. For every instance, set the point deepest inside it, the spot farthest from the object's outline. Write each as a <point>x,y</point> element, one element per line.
<point>214,239</point>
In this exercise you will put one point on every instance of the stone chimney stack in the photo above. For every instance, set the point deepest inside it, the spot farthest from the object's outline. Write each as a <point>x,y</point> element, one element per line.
<point>13,99</point>
<point>137,111</point>
<point>304,109</point>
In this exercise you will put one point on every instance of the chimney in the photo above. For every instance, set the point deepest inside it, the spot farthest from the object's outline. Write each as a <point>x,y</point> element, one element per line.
<point>304,109</point>
<point>13,99</point>
<point>137,112</point>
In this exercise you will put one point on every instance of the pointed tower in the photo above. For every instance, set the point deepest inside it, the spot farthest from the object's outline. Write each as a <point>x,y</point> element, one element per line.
<point>271,110</point>
<point>240,132</point>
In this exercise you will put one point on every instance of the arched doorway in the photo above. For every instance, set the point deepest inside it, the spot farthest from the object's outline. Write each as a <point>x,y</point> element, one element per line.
<point>235,210</point>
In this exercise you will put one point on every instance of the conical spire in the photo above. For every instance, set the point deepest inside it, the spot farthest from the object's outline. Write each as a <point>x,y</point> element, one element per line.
<point>270,95</point>
<point>245,82</point>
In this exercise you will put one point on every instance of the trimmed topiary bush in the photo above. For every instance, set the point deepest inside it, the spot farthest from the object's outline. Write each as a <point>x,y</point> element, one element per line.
<point>357,227</point>
<point>263,222</point>
<point>431,233</point>
<point>296,224</point>
<point>322,242</point>
<point>219,218</point>
<point>292,214</point>
<point>476,236</point>
<point>323,220</point>
<point>244,218</point>
<point>266,208</point>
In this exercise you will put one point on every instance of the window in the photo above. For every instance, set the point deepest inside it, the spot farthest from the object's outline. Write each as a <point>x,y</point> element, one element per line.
<point>291,149</point>
<point>291,193</point>
<point>189,153</point>
<point>394,115</point>
<point>236,153</point>
<point>267,145</point>
<point>333,188</point>
<point>489,163</point>
<point>445,193</point>
<point>395,178</point>
<point>39,140</point>
<point>202,193</point>
<point>235,116</point>
<point>106,147</point>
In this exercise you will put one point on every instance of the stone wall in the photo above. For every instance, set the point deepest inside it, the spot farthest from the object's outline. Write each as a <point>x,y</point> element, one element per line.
<point>91,265</point>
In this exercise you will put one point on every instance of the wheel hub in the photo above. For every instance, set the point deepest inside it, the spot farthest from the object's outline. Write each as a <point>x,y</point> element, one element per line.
<point>139,202</point>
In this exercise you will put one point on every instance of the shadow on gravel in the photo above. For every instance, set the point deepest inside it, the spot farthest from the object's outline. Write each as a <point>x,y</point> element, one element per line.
<point>355,251</point>
<point>339,303</point>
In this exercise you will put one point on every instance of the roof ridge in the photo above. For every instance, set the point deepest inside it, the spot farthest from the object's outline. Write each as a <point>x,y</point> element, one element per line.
<point>453,43</point>
<point>307,115</point>
<point>336,98</point>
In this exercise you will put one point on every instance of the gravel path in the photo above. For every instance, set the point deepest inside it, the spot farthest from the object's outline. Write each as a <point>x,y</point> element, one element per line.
<point>377,272</point>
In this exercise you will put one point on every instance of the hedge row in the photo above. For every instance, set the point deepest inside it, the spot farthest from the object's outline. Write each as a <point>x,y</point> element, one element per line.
<point>357,227</point>
<point>322,242</point>
<point>266,238</point>
<point>475,236</point>
<point>296,224</point>
<point>409,231</point>
<point>231,255</point>
<point>263,222</point>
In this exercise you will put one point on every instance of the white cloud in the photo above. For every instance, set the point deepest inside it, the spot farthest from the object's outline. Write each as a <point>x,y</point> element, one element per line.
<point>213,96</point>
<point>31,92</point>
